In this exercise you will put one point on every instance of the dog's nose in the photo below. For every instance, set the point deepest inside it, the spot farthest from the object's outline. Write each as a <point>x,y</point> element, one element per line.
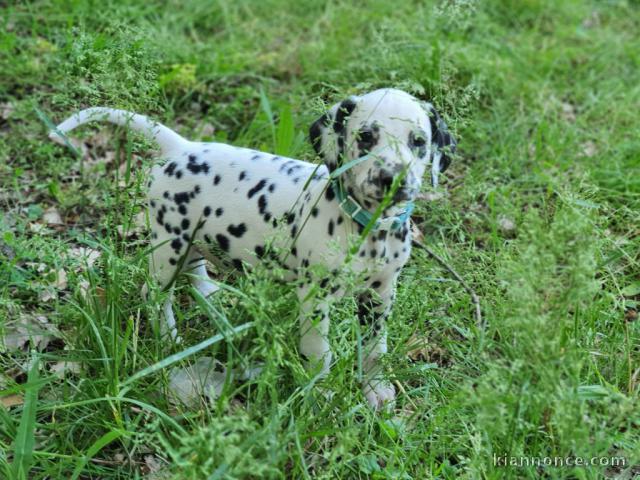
<point>386,179</point>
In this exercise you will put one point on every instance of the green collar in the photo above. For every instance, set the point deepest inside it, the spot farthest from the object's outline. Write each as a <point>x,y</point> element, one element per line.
<point>354,210</point>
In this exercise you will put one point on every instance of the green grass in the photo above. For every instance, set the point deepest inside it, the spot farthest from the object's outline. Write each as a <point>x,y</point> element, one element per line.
<point>540,214</point>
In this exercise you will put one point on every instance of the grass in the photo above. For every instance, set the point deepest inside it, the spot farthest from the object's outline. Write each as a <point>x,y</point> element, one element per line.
<point>540,214</point>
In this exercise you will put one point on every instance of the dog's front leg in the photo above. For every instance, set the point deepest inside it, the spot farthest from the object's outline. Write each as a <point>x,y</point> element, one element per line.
<point>373,309</point>
<point>314,329</point>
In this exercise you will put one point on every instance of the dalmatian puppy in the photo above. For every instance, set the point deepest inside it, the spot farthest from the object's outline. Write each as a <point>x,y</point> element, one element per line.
<point>212,200</point>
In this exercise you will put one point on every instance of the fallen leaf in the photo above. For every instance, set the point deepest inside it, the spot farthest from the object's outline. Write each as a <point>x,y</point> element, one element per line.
<point>61,279</point>
<point>6,109</point>
<point>589,149</point>
<point>85,255</point>
<point>416,233</point>
<point>99,293</point>
<point>506,224</point>
<point>51,216</point>
<point>430,196</point>
<point>47,294</point>
<point>568,112</point>
<point>204,378</point>
<point>62,368</point>
<point>37,228</point>
<point>593,20</point>
<point>26,330</point>
<point>11,400</point>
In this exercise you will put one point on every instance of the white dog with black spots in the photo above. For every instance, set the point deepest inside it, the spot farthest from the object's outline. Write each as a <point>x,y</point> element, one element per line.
<point>211,199</point>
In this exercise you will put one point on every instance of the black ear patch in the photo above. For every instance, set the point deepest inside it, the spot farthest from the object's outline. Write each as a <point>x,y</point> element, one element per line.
<point>441,137</point>
<point>315,132</point>
<point>344,110</point>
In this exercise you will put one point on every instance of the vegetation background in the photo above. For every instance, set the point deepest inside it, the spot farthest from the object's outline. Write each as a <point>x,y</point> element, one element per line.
<point>540,213</point>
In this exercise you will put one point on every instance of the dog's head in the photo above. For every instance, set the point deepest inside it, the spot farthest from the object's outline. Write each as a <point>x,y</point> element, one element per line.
<point>400,135</point>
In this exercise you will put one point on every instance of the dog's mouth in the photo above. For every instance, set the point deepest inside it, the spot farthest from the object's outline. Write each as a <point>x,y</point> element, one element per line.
<point>401,195</point>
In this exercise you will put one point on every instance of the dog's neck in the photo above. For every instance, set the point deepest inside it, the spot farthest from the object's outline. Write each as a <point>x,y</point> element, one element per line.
<point>392,218</point>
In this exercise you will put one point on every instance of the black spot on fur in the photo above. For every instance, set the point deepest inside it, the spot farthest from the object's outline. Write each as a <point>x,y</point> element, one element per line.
<point>330,229</point>
<point>177,230</point>
<point>179,174</point>
<point>329,194</point>
<point>153,204</point>
<point>376,284</point>
<point>176,244</point>
<point>242,176</point>
<point>197,168</point>
<point>294,251</point>
<point>219,212</point>
<point>173,261</point>
<point>237,263</point>
<point>207,211</point>
<point>294,230</point>
<point>237,230</point>
<point>256,188</point>
<point>170,168</point>
<point>166,194</point>
<point>272,187</point>
<point>259,251</point>
<point>314,212</point>
<point>216,179</point>
<point>181,197</point>
<point>262,203</point>
<point>185,223</point>
<point>289,217</point>
<point>223,241</point>
<point>182,209</point>
<point>255,157</point>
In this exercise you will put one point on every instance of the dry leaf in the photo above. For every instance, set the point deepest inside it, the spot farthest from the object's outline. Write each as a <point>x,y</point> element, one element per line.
<point>416,233</point>
<point>418,348</point>
<point>37,228</point>
<point>589,149</point>
<point>506,224</point>
<point>99,293</point>
<point>593,20</point>
<point>204,378</point>
<point>62,368</point>
<point>47,294</point>
<point>19,334</point>
<point>11,401</point>
<point>6,109</point>
<point>85,255</point>
<point>51,216</point>
<point>568,112</point>
<point>431,196</point>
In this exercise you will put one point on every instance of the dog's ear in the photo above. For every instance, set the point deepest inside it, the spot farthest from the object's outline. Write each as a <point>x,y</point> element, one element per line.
<point>328,133</point>
<point>441,138</point>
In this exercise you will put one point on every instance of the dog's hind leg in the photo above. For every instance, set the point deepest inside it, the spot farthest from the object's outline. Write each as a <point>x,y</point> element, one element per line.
<point>314,329</point>
<point>164,268</point>
<point>197,270</point>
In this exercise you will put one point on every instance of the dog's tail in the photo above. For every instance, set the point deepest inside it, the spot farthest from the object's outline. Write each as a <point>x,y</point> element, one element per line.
<point>164,136</point>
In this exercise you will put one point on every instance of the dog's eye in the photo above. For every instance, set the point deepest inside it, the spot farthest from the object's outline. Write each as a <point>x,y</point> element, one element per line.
<point>418,140</point>
<point>366,141</point>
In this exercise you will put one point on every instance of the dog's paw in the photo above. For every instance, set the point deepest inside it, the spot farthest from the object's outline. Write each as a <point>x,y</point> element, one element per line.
<point>380,394</point>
